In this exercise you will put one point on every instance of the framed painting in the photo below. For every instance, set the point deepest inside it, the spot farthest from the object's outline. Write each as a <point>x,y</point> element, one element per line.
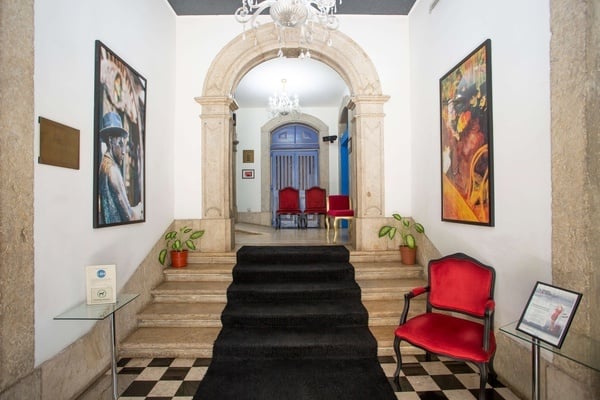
<point>247,174</point>
<point>466,140</point>
<point>119,141</point>
<point>548,313</point>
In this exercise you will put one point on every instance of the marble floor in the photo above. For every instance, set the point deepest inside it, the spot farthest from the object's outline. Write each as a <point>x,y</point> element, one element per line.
<point>178,379</point>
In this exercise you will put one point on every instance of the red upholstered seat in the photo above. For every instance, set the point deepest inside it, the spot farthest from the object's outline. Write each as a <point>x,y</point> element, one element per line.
<point>339,208</point>
<point>463,286</point>
<point>315,201</point>
<point>289,204</point>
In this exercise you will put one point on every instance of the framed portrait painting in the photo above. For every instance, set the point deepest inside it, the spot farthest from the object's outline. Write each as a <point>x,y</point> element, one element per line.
<point>119,141</point>
<point>466,140</point>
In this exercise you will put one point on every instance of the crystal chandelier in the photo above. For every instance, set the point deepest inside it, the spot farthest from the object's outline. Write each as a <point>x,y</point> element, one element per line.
<point>302,14</point>
<point>282,104</point>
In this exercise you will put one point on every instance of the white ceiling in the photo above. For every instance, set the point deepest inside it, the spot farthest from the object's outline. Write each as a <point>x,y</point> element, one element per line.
<point>316,84</point>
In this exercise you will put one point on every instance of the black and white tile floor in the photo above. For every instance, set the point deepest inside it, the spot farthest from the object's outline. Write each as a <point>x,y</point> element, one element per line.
<point>178,379</point>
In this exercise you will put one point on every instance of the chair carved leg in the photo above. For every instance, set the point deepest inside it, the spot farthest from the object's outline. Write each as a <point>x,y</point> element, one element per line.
<point>483,375</point>
<point>492,376</point>
<point>398,360</point>
<point>336,222</point>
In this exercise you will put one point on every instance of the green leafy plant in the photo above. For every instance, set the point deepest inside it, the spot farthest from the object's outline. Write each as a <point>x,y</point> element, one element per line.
<point>406,225</point>
<point>183,239</point>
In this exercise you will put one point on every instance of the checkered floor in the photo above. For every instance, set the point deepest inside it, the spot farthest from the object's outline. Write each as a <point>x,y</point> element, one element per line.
<point>178,379</point>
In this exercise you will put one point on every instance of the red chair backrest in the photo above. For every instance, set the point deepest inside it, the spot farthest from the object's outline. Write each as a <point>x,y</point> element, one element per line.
<point>460,283</point>
<point>339,202</point>
<point>315,198</point>
<point>289,198</point>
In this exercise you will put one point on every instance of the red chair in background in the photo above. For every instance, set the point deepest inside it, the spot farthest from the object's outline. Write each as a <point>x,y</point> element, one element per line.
<point>339,208</point>
<point>315,202</point>
<point>464,287</point>
<point>289,204</point>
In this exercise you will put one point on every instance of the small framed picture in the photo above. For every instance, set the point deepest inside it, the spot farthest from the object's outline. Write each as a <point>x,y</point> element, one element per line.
<point>549,313</point>
<point>248,156</point>
<point>247,174</point>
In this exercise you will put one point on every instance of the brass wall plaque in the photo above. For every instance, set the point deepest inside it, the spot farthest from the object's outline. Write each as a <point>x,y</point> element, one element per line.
<point>248,156</point>
<point>59,144</point>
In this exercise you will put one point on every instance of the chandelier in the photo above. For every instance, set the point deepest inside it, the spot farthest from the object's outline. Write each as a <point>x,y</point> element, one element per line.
<point>302,14</point>
<point>282,104</point>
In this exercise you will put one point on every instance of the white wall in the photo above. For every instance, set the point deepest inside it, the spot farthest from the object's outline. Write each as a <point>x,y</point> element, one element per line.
<point>519,246</point>
<point>200,38</point>
<point>142,33</point>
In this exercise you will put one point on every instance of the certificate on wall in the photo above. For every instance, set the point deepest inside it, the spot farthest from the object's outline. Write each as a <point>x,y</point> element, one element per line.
<point>549,313</point>
<point>101,284</point>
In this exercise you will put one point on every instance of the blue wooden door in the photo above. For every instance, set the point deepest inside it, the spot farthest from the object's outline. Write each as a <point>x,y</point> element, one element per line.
<point>294,162</point>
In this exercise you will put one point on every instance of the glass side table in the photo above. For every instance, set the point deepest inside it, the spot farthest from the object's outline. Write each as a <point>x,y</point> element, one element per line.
<point>97,312</point>
<point>578,348</point>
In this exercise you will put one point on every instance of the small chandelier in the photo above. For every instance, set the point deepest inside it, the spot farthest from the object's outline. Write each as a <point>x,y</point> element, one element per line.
<point>282,104</point>
<point>301,14</point>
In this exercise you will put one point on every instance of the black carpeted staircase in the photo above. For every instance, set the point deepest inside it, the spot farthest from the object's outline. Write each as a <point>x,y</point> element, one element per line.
<point>294,328</point>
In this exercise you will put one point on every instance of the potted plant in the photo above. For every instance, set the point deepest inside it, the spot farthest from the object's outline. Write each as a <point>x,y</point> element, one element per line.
<point>178,243</point>
<point>408,244</point>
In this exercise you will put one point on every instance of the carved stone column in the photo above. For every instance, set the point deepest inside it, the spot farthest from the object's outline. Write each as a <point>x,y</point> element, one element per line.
<point>367,168</point>
<point>217,180</point>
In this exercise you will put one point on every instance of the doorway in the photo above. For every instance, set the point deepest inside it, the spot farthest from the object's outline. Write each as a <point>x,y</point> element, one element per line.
<point>294,162</point>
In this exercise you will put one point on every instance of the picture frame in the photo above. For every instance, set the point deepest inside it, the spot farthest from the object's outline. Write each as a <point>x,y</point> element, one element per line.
<point>549,313</point>
<point>119,141</point>
<point>247,174</point>
<point>248,156</point>
<point>466,150</point>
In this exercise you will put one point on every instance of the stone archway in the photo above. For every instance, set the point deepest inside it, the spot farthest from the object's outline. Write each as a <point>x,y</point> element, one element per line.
<point>366,105</point>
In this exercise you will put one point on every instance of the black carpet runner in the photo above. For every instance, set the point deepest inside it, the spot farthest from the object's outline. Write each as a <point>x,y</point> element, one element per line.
<point>294,328</point>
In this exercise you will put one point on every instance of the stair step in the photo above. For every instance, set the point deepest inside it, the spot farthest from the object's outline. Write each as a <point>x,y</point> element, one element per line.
<point>187,292</point>
<point>200,272</point>
<point>200,257</point>
<point>375,256</point>
<point>386,289</point>
<point>184,318</point>
<point>181,315</point>
<point>302,315</point>
<point>169,342</point>
<point>386,270</point>
<point>293,342</point>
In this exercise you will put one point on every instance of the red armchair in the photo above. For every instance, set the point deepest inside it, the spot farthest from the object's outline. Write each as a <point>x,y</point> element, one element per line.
<point>339,208</point>
<point>463,286</point>
<point>289,204</point>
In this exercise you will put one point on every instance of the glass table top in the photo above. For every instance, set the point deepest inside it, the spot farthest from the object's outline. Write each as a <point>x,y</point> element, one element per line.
<point>86,311</point>
<point>581,349</point>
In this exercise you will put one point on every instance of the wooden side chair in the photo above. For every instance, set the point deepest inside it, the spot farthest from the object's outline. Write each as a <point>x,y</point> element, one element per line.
<point>339,207</point>
<point>462,286</point>
<point>289,204</point>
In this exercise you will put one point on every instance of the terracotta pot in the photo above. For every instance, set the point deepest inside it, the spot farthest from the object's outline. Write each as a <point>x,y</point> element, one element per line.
<point>179,258</point>
<point>408,256</point>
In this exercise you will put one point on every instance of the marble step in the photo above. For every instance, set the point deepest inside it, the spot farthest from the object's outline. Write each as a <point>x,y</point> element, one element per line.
<point>381,312</point>
<point>386,270</point>
<point>387,289</point>
<point>190,292</point>
<point>192,342</point>
<point>223,271</point>
<point>220,272</point>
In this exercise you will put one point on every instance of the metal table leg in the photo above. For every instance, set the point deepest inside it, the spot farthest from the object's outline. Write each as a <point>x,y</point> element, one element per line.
<point>535,368</point>
<point>113,348</point>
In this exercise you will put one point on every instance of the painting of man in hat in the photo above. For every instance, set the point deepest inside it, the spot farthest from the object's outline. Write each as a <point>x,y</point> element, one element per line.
<point>119,141</point>
<point>114,203</point>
